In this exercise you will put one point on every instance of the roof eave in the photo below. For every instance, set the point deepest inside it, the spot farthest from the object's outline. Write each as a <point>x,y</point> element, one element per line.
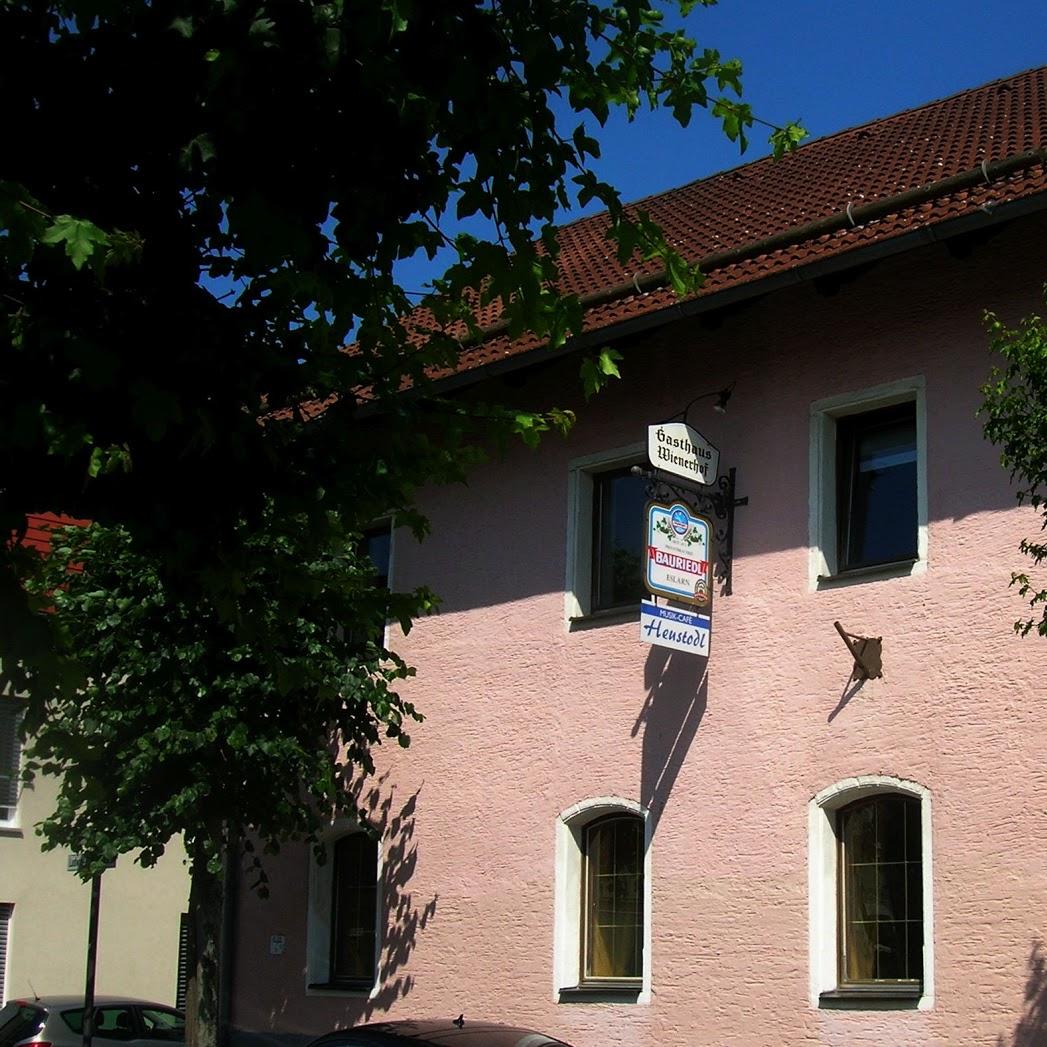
<point>862,254</point>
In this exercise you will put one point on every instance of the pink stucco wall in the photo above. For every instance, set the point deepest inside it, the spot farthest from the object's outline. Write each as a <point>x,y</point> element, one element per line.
<point>525,718</point>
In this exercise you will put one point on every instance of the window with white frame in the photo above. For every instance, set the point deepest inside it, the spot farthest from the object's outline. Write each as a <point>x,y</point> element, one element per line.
<point>603,902</point>
<point>870,893</point>
<point>869,483</point>
<point>344,921</point>
<point>605,532</point>
<point>10,761</point>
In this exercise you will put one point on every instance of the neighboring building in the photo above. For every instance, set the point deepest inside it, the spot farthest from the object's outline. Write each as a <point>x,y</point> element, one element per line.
<point>44,904</point>
<point>620,843</point>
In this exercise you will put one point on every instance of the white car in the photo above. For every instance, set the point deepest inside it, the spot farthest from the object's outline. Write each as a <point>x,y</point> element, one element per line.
<point>57,1021</point>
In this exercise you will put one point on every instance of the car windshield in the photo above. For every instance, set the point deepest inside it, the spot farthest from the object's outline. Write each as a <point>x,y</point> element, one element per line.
<point>19,1020</point>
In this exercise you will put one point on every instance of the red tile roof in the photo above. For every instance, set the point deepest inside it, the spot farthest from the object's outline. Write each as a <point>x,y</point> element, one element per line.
<point>981,147</point>
<point>39,527</point>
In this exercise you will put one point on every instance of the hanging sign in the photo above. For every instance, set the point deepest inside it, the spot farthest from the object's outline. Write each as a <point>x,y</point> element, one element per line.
<point>676,448</point>
<point>676,629</point>
<point>676,554</point>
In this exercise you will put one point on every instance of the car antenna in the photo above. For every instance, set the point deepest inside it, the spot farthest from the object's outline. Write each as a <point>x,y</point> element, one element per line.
<point>33,991</point>
<point>459,1021</point>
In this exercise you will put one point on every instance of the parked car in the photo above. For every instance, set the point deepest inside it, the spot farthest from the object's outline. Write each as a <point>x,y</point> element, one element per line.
<point>458,1033</point>
<point>58,1021</point>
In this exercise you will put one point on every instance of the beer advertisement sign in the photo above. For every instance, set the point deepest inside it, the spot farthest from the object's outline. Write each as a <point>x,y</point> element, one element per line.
<point>678,553</point>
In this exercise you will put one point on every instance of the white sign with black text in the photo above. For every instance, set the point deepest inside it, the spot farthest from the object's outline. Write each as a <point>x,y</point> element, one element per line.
<point>674,447</point>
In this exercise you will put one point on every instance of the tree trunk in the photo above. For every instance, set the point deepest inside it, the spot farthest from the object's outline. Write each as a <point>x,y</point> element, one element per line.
<point>205,932</point>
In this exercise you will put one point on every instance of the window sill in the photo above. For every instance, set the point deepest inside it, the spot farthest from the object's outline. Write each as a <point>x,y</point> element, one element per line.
<point>11,830</point>
<point>605,616</point>
<point>898,997</point>
<point>357,989</point>
<point>895,569</point>
<point>602,992</point>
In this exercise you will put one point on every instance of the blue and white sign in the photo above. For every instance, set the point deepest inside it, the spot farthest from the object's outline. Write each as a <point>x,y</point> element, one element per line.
<point>679,630</point>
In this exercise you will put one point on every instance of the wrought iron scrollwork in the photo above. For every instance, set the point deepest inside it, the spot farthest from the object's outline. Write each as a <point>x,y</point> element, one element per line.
<point>717,501</point>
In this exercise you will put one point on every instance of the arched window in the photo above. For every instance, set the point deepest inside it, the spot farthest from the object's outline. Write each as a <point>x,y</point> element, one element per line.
<point>354,911</point>
<point>613,898</point>
<point>871,903</point>
<point>602,939</point>
<point>881,891</point>
<point>344,917</point>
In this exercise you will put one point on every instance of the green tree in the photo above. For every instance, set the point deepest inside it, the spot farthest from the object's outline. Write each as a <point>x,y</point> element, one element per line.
<point>1015,413</point>
<point>196,722</point>
<point>201,202</point>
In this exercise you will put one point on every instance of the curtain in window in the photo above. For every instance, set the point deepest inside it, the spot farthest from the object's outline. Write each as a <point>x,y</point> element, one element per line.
<point>881,890</point>
<point>614,899</point>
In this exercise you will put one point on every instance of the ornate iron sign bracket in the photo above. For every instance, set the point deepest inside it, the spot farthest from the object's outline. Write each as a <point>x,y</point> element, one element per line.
<point>716,500</point>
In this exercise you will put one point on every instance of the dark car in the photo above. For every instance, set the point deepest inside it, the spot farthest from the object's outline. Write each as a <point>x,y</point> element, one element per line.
<point>458,1033</point>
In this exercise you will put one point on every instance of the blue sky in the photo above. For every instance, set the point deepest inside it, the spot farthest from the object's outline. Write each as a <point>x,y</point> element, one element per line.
<point>830,65</point>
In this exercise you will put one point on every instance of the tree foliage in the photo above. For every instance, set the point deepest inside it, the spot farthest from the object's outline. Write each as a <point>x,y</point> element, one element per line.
<point>192,723</point>
<point>1015,413</point>
<point>201,202</point>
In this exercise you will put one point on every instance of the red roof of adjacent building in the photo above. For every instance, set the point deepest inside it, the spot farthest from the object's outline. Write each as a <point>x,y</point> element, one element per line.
<point>973,151</point>
<point>39,527</point>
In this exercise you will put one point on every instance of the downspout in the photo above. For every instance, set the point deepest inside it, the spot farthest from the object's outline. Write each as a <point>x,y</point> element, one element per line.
<point>227,941</point>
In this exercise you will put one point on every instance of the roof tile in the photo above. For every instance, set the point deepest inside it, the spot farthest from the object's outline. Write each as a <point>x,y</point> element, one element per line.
<point>743,206</point>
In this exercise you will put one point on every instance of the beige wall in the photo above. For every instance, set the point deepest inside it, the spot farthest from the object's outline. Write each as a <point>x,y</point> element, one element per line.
<point>138,923</point>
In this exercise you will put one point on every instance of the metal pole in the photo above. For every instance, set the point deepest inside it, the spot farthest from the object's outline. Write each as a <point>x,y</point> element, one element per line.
<point>92,951</point>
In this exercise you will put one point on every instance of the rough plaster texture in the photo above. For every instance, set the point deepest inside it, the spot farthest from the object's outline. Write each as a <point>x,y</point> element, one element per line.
<point>526,718</point>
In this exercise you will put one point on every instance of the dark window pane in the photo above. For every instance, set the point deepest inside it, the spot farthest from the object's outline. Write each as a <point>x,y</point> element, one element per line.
<point>378,546</point>
<point>913,837</point>
<point>614,892</point>
<point>914,890</point>
<point>618,506</point>
<point>876,480</point>
<point>914,949</point>
<point>890,950</point>
<point>891,896</point>
<point>354,909</point>
<point>891,829</point>
<point>113,1023</point>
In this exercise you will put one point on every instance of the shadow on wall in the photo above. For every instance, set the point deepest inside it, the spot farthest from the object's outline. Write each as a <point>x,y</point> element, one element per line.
<point>677,690</point>
<point>403,923</point>
<point>1031,1030</point>
<point>404,919</point>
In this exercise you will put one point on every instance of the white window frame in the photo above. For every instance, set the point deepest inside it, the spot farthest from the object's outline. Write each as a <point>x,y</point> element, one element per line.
<point>823,565</point>
<point>319,926</point>
<point>578,583</point>
<point>823,875</point>
<point>568,929</point>
<point>9,813</point>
